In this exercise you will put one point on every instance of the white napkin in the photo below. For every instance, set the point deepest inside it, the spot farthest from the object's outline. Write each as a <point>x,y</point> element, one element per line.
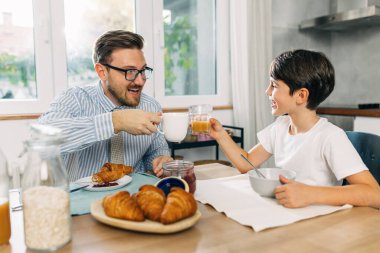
<point>235,197</point>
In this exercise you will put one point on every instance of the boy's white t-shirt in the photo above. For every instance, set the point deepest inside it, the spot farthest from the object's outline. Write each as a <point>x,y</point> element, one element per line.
<point>322,156</point>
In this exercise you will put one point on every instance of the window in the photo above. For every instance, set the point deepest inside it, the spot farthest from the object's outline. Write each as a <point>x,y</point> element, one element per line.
<point>86,20</point>
<point>51,48</point>
<point>190,40</point>
<point>189,56</point>
<point>17,66</point>
<point>59,60</point>
<point>25,77</point>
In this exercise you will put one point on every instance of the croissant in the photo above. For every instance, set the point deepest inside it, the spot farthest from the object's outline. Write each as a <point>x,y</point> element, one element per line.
<point>151,200</point>
<point>123,206</point>
<point>179,205</point>
<point>111,172</point>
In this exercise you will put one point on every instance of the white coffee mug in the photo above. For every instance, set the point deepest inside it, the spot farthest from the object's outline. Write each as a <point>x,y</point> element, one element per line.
<point>175,125</point>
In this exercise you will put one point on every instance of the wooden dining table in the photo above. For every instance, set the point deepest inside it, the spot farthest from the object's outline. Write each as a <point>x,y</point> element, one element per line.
<point>352,230</point>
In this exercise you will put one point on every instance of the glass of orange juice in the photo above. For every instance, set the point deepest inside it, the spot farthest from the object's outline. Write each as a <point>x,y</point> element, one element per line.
<point>5,224</point>
<point>200,118</point>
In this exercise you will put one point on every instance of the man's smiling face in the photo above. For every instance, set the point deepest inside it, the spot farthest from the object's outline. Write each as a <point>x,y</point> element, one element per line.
<point>119,90</point>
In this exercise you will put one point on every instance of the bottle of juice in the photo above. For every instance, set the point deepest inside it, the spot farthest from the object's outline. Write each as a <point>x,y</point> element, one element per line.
<point>5,224</point>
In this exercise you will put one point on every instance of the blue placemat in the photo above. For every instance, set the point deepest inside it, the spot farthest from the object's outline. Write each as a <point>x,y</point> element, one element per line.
<point>80,201</point>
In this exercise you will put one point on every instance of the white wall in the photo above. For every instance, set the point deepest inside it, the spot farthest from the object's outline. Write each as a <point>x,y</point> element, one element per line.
<point>12,135</point>
<point>367,125</point>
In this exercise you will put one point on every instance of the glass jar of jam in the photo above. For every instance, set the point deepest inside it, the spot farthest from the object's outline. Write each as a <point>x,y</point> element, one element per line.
<point>182,169</point>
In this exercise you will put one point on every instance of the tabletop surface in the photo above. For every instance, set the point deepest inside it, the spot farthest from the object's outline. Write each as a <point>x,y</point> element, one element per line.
<point>351,230</point>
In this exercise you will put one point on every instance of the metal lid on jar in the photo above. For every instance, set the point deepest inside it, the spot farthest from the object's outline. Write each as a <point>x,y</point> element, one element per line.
<point>178,165</point>
<point>45,135</point>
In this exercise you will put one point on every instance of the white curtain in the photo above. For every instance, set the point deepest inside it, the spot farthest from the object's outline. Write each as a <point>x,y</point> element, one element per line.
<point>251,54</point>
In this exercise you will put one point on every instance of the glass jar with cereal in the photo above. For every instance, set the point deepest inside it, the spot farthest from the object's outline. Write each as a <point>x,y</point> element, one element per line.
<point>45,192</point>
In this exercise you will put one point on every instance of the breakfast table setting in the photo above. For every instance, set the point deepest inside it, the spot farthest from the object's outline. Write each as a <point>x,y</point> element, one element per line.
<point>231,217</point>
<point>81,200</point>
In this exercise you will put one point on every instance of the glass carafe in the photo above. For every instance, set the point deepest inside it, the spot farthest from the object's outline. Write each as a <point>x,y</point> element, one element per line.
<point>5,225</point>
<point>45,192</point>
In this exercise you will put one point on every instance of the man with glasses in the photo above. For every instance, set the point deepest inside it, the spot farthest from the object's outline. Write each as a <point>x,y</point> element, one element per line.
<point>112,121</point>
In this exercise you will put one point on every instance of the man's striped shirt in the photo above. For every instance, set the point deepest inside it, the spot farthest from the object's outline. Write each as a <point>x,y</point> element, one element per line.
<point>85,116</point>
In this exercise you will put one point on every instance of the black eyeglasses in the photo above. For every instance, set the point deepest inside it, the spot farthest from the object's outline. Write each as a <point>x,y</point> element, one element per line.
<point>131,74</point>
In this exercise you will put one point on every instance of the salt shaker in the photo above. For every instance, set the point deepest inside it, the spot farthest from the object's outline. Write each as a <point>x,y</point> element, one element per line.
<point>45,191</point>
<point>5,225</point>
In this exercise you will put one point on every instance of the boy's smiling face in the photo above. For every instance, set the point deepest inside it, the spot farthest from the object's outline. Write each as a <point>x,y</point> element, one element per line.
<point>281,100</point>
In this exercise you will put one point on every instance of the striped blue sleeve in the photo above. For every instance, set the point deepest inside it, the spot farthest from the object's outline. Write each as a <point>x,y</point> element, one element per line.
<point>79,131</point>
<point>103,126</point>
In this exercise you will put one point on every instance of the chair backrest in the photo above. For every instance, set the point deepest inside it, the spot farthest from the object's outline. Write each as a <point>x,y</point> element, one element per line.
<point>368,147</point>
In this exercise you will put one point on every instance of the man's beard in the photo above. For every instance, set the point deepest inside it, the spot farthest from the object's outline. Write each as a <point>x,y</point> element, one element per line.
<point>123,100</point>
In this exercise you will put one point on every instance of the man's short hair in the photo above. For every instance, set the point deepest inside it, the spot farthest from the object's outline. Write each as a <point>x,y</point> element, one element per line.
<point>111,40</point>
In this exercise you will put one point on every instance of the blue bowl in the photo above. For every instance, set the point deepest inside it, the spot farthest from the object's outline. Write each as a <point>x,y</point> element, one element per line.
<point>167,183</point>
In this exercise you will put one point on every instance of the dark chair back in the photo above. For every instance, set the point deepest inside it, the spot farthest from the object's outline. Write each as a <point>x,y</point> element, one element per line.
<point>368,147</point>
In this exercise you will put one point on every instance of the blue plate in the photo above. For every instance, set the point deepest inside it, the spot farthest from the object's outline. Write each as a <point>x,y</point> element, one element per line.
<point>167,183</point>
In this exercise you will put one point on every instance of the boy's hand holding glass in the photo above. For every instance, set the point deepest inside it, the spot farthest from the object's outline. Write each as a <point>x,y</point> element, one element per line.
<point>216,129</point>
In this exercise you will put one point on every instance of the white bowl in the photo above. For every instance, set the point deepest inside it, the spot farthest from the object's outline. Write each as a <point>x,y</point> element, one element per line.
<point>266,186</point>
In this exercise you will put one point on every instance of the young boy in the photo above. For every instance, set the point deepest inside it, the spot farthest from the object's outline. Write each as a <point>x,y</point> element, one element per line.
<point>318,151</point>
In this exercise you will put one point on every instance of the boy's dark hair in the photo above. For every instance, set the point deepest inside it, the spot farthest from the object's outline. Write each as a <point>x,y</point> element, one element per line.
<point>112,40</point>
<point>305,69</point>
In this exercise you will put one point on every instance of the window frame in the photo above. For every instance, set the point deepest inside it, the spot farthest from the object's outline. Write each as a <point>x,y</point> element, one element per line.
<point>152,23</point>
<point>43,64</point>
<point>50,58</point>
